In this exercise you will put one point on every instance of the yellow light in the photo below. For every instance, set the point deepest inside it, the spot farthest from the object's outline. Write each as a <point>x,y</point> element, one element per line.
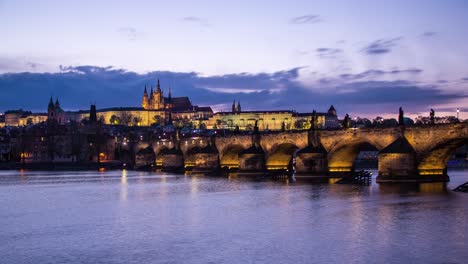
<point>339,169</point>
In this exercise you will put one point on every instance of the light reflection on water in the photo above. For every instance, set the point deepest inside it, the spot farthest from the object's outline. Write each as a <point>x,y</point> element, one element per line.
<point>141,217</point>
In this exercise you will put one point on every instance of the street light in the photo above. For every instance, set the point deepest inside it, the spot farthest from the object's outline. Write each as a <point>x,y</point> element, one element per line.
<point>458,113</point>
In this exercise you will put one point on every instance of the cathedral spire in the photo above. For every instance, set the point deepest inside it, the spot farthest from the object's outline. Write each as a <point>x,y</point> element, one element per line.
<point>158,88</point>
<point>170,93</point>
<point>145,92</point>
<point>234,106</point>
<point>238,107</point>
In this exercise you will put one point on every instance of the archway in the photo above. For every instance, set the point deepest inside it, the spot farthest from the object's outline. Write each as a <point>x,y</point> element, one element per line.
<point>281,156</point>
<point>159,155</point>
<point>434,162</point>
<point>189,157</point>
<point>230,157</point>
<point>342,158</point>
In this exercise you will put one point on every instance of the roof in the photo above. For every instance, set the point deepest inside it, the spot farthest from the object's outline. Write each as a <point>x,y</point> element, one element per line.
<point>310,114</point>
<point>119,109</point>
<point>203,108</point>
<point>401,145</point>
<point>257,112</point>
<point>180,103</point>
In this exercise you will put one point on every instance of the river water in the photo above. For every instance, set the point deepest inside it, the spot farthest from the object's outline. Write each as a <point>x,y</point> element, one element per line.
<point>140,217</point>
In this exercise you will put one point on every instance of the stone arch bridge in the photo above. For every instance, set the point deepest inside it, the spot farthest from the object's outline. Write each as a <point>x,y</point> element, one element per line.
<point>405,153</point>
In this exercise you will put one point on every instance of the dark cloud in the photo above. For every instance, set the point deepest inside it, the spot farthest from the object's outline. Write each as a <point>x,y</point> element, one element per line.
<point>129,33</point>
<point>307,19</point>
<point>378,73</point>
<point>328,53</point>
<point>381,46</point>
<point>78,86</point>
<point>465,79</point>
<point>429,34</point>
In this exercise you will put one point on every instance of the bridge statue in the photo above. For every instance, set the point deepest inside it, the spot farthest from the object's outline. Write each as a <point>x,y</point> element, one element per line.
<point>401,118</point>
<point>432,115</point>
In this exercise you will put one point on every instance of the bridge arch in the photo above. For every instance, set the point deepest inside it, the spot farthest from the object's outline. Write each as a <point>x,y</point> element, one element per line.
<point>159,152</point>
<point>341,158</point>
<point>230,156</point>
<point>281,155</point>
<point>434,161</point>
<point>189,155</point>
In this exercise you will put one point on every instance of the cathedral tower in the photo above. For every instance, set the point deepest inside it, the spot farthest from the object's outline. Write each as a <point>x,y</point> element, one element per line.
<point>145,100</point>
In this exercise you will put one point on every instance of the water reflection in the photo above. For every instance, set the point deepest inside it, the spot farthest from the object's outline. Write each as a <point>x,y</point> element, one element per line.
<point>139,217</point>
<point>124,186</point>
<point>407,188</point>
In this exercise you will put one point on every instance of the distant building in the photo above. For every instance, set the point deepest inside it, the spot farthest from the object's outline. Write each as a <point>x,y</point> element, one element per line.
<point>270,120</point>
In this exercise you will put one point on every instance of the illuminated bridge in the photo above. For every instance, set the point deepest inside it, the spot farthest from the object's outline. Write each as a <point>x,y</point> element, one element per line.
<point>405,153</point>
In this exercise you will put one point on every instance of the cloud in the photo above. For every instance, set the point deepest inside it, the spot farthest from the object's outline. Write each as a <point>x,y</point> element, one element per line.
<point>381,46</point>
<point>328,53</point>
<point>465,79</point>
<point>429,34</point>
<point>306,19</point>
<point>196,20</point>
<point>129,32</point>
<point>78,86</point>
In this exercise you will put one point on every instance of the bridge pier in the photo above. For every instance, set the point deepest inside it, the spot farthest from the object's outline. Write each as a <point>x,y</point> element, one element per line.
<point>252,160</point>
<point>312,160</point>
<point>207,159</point>
<point>173,160</point>
<point>398,164</point>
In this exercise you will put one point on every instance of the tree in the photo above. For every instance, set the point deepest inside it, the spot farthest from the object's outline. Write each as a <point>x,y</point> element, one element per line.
<point>115,120</point>
<point>157,119</point>
<point>126,118</point>
<point>136,120</point>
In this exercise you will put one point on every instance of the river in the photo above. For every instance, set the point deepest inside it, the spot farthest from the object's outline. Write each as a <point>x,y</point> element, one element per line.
<point>141,217</point>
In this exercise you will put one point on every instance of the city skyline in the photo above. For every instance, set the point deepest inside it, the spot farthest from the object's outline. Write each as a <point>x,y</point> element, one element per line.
<point>303,57</point>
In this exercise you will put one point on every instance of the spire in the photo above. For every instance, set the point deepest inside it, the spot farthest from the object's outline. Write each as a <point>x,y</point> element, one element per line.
<point>145,92</point>
<point>170,93</point>
<point>234,106</point>
<point>332,110</point>
<point>57,104</point>
<point>158,88</point>
<point>51,102</point>
<point>238,107</point>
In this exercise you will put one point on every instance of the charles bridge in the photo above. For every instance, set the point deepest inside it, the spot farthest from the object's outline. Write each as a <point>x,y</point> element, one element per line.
<point>418,154</point>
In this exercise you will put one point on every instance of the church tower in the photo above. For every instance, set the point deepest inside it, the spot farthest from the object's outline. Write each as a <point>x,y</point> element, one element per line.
<point>51,109</point>
<point>145,101</point>
<point>158,98</point>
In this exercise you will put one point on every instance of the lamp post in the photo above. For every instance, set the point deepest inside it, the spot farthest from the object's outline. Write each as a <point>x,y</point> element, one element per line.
<point>458,113</point>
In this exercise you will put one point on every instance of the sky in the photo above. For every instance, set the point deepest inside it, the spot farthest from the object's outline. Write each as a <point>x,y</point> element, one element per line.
<point>366,57</point>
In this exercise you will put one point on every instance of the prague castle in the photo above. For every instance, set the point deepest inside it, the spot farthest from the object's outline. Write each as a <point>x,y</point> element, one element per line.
<point>157,109</point>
